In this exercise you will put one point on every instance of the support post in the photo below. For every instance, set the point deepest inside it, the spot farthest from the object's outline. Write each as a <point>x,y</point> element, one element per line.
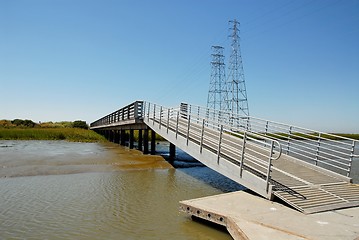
<point>122,137</point>
<point>131,139</point>
<point>111,135</point>
<point>140,139</point>
<point>116,137</point>
<point>105,133</point>
<point>145,141</point>
<point>172,151</point>
<point>153,142</point>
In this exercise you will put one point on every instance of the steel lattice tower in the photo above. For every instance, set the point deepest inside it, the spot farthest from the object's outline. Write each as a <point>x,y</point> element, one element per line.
<point>217,94</point>
<point>237,101</point>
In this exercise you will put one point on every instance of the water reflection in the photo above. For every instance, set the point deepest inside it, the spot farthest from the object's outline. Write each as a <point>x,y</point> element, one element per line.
<point>116,193</point>
<point>116,196</point>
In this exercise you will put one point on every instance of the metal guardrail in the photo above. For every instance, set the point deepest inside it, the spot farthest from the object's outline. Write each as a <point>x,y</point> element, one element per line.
<point>248,150</point>
<point>328,151</point>
<point>130,112</point>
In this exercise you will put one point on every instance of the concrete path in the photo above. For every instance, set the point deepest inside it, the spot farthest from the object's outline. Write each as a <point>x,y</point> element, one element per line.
<point>251,217</point>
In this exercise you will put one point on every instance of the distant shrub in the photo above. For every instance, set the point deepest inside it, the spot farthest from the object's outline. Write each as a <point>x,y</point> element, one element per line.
<point>66,124</point>
<point>80,124</point>
<point>6,123</point>
<point>23,123</point>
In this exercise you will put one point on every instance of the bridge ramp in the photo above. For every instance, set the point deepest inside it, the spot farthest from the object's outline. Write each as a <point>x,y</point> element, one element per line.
<point>305,187</point>
<point>311,176</point>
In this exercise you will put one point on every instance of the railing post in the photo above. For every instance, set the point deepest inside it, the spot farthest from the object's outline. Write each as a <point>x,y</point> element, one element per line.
<point>144,109</point>
<point>184,110</point>
<point>269,165</point>
<point>135,110</point>
<point>317,151</point>
<point>351,158</point>
<point>289,138</point>
<point>154,113</point>
<point>128,112</point>
<point>202,134</point>
<point>242,155</point>
<point>160,117</point>
<point>168,119</point>
<point>198,114</point>
<point>140,110</point>
<point>148,111</point>
<point>188,127</point>
<point>207,113</point>
<point>178,113</point>
<point>219,144</point>
<point>248,124</point>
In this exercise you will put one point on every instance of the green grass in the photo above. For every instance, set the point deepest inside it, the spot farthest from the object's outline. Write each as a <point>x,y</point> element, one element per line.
<point>68,134</point>
<point>300,136</point>
<point>349,135</point>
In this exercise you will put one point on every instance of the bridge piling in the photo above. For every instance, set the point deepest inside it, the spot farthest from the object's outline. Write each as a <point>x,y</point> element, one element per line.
<point>172,151</point>
<point>145,141</point>
<point>140,140</point>
<point>116,137</point>
<point>131,140</point>
<point>153,142</point>
<point>122,137</point>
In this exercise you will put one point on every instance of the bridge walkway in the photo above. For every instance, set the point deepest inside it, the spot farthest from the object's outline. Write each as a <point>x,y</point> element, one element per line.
<point>306,187</point>
<point>267,165</point>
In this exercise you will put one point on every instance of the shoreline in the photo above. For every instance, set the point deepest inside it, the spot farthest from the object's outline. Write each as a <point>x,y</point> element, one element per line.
<point>67,134</point>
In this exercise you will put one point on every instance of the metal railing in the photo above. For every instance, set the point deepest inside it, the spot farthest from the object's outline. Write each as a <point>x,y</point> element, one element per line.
<point>130,112</point>
<point>248,150</point>
<point>328,151</point>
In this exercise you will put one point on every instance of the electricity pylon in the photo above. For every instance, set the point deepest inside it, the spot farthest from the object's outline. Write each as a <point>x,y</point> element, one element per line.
<point>237,93</point>
<point>217,94</point>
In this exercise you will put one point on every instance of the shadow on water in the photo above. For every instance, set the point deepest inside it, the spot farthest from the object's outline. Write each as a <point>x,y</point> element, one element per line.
<point>190,166</point>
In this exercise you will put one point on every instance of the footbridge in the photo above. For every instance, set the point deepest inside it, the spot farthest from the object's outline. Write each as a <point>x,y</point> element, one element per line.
<point>309,170</point>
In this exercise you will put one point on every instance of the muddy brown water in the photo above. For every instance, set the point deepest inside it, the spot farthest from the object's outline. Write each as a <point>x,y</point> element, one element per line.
<point>62,190</point>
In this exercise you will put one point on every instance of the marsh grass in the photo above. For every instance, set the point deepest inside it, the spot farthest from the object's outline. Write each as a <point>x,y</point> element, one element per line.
<point>314,136</point>
<point>68,134</point>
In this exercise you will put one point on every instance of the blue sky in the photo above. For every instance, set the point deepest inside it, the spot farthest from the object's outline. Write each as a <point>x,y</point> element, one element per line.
<point>82,59</point>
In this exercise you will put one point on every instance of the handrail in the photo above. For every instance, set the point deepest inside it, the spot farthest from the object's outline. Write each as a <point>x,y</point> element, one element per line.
<point>315,147</point>
<point>307,145</point>
<point>129,112</point>
<point>258,151</point>
<point>215,125</point>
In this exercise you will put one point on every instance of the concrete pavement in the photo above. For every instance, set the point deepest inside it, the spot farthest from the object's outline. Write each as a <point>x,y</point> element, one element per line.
<point>247,216</point>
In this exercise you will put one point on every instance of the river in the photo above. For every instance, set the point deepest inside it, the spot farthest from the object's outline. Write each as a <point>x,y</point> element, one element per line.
<point>63,190</point>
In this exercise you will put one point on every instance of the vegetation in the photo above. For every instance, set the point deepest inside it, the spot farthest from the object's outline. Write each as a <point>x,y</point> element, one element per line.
<point>80,124</point>
<point>313,136</point>
<point>19,129</point>
<point>349,135</point>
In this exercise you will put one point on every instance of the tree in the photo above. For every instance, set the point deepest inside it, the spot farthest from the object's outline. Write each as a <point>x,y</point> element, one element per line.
<point>80,124</point>
<point>23,123</point>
